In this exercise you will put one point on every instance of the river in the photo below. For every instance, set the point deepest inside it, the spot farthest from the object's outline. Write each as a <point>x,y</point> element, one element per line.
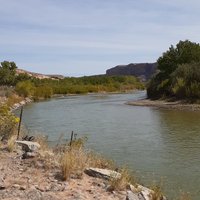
<point>157,144</point>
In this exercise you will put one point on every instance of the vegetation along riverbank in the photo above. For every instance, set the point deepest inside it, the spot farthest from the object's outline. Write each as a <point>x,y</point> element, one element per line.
<point>30,169</point>
<point>26,85</point>
<point>176,85</point>
<point>178,75</point>
<point>70,171</point>
<point>63,172</point>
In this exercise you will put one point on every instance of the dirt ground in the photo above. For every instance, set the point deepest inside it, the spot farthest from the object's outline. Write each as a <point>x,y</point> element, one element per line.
<point>22,179</point>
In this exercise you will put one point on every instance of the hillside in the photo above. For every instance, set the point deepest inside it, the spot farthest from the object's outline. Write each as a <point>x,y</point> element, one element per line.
<point>144,71</point>
<point>39,76</point>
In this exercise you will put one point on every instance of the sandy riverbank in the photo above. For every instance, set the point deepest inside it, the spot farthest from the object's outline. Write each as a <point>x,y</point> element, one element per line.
<point>177,105</point>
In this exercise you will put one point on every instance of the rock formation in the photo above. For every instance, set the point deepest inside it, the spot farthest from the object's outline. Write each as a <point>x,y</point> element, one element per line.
<point>144,71</point>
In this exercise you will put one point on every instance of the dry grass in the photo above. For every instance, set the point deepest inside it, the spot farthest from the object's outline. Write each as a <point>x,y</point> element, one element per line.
<point>79,143</point>
<point>42,140</point>
<point>46,156</point>
<point>124,181</point>
<point>75,159</point>
<point>73,162</point>
<point>11,143</point>
<point>157,193</point>
<point>6,91</point>
<point>96,160</point>
<point>12,99</point>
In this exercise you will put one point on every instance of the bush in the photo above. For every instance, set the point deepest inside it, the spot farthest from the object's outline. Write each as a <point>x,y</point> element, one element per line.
<point>186,81</point>
<point>178,88</point>
<point>42,92</point>
<point>7,122</point>
<point>25,88</point>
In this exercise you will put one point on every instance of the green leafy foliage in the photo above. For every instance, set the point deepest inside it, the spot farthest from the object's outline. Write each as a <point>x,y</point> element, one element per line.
<point>28,86</point>
<point>7,73</point>
<point>84,85</point>
<point>7,122</point>
<point>25,88</point>
<point>184,52</point>
<point>22,77</point>
<point>43,92</point>
<point>178,72</point>
<point>186,81</point>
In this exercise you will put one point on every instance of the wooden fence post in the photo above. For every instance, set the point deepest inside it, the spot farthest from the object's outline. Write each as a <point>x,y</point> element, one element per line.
<point>20,121</point>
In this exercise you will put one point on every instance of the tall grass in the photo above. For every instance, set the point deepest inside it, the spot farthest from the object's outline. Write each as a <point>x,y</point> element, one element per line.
<point>124,181</point>
<point>73,162</point>
<point>75,158</point>
<point>11,143</point>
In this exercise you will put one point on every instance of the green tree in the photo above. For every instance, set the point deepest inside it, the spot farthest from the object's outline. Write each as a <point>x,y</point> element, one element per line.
<point>22,77</point>
<point>7,73</point>
<point>185,52</point>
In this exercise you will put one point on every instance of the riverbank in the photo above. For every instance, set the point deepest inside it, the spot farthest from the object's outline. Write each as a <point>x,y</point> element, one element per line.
<point>14,101</point>
<point>177,105</point>
<point>57,174</point>
<point>29,179</point>
<point>129,112</point>
<point>21,103</point>
<point>96,93</point>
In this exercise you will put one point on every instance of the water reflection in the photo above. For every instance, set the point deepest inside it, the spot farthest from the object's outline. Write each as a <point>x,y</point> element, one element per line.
<point>180,151</point>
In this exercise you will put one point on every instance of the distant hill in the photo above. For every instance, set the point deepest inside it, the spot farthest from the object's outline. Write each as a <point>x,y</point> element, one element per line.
<point>144,71</point>
<point>39,76</point>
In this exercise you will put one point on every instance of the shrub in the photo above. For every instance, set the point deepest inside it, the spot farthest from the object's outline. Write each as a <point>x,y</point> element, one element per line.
<point>186,81</point>
<point>73,161</point>
<point>25,88</point>
<point>178,88</point>
<point>122,182</point>
<point>12,99</point>
<point>42,92</point>
<point>7,122</point>
<point>157,193</point>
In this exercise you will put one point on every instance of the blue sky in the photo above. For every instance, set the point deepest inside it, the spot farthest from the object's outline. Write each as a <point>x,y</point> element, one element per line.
<point>85,37</point>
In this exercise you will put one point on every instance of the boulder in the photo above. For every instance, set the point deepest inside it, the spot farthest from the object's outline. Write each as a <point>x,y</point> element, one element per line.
<point>29,155</point>
<point>28,146</point>
<point>102,173</point>
<point>143,193</point>
<point>131,196</point>
<point>22,102</point>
